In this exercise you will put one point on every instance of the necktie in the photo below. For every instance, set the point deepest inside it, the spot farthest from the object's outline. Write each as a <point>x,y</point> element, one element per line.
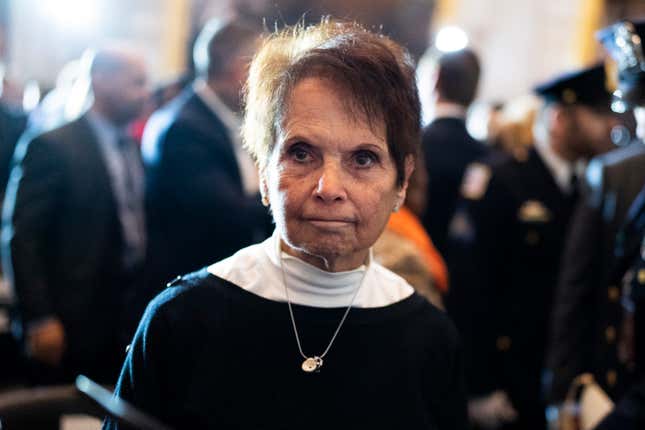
<point>132,221</point>
<point>574,188</point>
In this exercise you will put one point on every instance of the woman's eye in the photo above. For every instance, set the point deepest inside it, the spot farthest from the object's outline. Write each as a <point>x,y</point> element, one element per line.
<point>299,154</point>
<point>365,158</point>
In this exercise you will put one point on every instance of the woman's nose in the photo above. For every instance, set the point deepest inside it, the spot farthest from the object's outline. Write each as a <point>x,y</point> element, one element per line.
<point>331,186</point>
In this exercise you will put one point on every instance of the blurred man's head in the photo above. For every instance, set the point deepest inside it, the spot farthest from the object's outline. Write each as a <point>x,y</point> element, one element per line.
<point>576,118</point>
<point>222,52</point>
<point>625,42</point>
<point>405,21</point>
<point>119,84</point>
<point>457,77</point>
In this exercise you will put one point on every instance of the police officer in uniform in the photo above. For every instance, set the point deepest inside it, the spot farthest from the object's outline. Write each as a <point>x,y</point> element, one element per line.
<point>594,322</point>
<point>629,272</point>
<point>609,317</point>
<point>505,245</point>
<point>629,413</point>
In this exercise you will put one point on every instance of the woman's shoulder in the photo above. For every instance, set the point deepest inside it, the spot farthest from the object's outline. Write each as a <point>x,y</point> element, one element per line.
<point>215,279</point>
<point>426,321</point>
<point>431,332</point>
<point>411,308</point>
<point>431,316</point>
<point>194,292</point>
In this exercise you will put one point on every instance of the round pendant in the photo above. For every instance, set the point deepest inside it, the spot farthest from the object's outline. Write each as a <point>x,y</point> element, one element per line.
<point>312,364</point>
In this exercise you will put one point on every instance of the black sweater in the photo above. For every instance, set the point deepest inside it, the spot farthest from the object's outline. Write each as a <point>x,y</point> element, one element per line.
<point>209,354</point>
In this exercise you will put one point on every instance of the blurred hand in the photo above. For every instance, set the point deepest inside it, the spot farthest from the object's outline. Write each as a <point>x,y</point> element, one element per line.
<point>491,411</point>
<point>46,341</point>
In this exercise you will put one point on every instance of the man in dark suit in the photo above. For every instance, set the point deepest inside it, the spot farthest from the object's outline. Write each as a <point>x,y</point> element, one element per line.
<point>202,192</point>
<point>509,231</point>
<point>598,324</point>
<point>12,124</point>
<point>72,234</point>
<point>447,145</point>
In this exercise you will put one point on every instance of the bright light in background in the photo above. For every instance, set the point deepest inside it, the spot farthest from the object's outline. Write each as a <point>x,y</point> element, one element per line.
<point>451,39</point>
<point>30,96</point>
<point>72,14</point>
<point>477,120</point>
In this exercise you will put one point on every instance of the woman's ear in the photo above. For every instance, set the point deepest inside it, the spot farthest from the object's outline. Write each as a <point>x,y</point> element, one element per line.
<point>408,169</point>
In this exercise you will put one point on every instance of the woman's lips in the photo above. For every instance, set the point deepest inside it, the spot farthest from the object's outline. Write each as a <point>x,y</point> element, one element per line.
<point>330,223</point>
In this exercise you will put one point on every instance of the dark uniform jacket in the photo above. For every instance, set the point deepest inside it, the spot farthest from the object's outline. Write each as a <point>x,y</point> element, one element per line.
<point>629,413</point>
<point>448,149</point>
<point>12,125</point>
<point>587,308</point>
<point>505,244</point>
<point>62,245</point>
<point>197,211</point>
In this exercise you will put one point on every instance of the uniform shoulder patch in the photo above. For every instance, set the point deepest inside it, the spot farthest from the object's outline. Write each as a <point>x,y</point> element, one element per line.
<point>534,211</point>
<point>475,181</point>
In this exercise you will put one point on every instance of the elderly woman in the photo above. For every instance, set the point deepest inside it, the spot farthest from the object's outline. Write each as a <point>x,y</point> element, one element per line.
<point>305,330</point>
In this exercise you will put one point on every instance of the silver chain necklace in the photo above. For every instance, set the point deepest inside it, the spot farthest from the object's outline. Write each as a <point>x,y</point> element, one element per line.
<point>313,364</point>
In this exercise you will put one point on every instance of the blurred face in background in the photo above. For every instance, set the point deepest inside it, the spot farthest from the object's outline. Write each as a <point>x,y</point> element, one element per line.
<point>230,84</point>
<point>580,131</point>
<point>592,130</point>
<point>120,88</point>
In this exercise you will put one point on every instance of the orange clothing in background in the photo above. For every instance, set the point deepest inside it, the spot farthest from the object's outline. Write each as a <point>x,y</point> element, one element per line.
<point>407,224</point>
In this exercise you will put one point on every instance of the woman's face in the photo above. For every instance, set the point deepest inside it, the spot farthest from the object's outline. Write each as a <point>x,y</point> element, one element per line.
<point>330,180</point>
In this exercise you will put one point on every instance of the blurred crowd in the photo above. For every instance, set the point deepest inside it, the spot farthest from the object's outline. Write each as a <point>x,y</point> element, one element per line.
<point>111,190</point>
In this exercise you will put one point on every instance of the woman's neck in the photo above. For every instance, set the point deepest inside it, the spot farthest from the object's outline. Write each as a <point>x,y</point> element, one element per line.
<point>329,263</point>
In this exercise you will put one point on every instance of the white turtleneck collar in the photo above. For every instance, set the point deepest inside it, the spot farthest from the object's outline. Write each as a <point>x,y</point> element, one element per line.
<point>257,270</point>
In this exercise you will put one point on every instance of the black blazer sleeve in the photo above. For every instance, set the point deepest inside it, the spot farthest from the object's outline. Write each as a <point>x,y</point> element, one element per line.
<point>29,211</point>
<point>574,301</point>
